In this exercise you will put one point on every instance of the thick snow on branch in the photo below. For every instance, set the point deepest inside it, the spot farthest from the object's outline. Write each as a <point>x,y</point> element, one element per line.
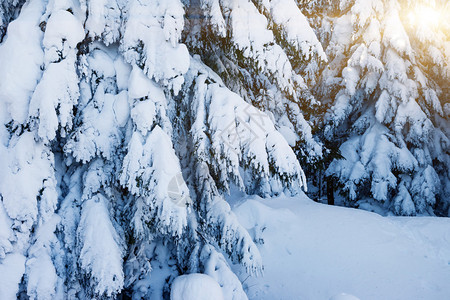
<point>21,57</point>
<point>101,248</point>
<point>239,136</point>
<point>151,33</point>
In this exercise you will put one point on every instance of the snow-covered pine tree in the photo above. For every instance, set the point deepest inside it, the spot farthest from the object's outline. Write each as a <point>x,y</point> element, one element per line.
<point>429,29</point>
<point>127,146</point>
<point>385,114</point>
<point>266,52</point>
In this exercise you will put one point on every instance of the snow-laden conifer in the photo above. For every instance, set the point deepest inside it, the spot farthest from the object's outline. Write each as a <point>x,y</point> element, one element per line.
<point>128,147</point>
<point>385,97</point>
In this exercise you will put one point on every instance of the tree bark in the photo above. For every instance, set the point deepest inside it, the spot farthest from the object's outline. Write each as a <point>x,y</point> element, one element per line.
<point>330,191</point>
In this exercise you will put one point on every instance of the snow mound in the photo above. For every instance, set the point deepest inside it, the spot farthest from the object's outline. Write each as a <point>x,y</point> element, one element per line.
<point>195,287</point>
<point>344,296</point>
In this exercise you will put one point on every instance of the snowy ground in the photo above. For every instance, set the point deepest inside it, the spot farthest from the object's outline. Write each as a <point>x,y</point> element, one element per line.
<point>314,251</point>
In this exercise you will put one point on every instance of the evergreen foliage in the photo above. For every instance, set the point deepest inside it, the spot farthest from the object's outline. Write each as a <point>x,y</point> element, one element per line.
<point>125,125</point>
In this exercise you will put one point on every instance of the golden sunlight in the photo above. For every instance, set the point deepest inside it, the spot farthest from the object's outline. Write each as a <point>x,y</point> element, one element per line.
<point>430,16</point>
<point>423,15</point>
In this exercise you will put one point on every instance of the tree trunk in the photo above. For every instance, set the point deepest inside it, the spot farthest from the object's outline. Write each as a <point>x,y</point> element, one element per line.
<point>330,191</point>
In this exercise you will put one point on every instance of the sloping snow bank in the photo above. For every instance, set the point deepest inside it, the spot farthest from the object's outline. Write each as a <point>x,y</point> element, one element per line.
<point>314,251</point>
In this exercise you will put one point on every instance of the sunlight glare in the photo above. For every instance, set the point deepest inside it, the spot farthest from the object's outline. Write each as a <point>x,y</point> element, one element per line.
<point>423,15</point>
